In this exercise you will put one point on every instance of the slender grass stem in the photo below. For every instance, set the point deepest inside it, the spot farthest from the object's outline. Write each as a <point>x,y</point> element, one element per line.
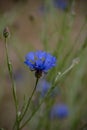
<point>11,76</point>
<point>29,100</point>
<point>13,83</point>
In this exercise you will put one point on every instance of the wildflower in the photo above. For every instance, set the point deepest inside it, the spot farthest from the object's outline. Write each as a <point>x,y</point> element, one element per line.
<point>62,4</point>
<point>40,62</point>
<point>43,87</point>
<point>59,111</point>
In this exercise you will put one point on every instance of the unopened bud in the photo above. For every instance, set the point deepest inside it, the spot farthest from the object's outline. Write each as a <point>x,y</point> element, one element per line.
<point>76,60</point>
<point>6,32</point>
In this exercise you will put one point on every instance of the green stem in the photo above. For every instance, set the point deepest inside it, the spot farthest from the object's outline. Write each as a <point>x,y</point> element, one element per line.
<point>11,75</point>
<point>13,83</point>
<point>29,101</point>
<point>33,113</point>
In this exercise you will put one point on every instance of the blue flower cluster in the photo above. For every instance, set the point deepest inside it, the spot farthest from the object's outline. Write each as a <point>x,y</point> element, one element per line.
<point>59,111</point>
<point>40,61</point>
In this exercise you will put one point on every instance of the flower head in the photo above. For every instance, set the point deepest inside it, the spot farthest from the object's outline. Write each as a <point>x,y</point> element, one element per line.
<point>62,4</point>
<point>40,62</point>
<point>59,111</point>
<point>44,86</point>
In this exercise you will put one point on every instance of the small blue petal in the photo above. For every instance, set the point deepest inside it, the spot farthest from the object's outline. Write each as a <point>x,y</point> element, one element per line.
<point>39,65</point>
<point>29,65</point>
<point>30,56</point>
<point>40,54</point>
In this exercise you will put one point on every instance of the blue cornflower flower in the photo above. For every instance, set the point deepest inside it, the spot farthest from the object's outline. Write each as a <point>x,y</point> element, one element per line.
<point>62,4</point>
<point>59,111</point>
<point>40,62</point>
<point>44,86</point>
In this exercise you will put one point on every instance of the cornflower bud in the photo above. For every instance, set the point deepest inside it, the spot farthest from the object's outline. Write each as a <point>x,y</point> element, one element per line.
<point>6,32</point>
